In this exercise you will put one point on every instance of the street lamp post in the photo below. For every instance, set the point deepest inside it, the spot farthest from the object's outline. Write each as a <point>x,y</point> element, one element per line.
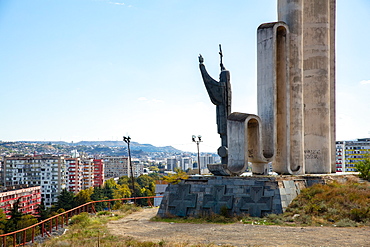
<point>197,142</point>
<point>127,140</point>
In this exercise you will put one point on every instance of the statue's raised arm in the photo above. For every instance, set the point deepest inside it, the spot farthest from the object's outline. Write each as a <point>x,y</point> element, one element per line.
<point>212,86</point>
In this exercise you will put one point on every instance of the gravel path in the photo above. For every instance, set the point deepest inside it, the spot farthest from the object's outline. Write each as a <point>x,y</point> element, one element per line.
<point>137,225</point>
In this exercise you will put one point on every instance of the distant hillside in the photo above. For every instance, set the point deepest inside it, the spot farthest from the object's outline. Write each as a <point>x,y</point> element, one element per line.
<point>134,145</point>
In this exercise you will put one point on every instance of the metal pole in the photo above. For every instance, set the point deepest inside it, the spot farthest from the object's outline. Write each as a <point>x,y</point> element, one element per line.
<point>198,158</point>
<point>127,140</point>
<point>197,142</point>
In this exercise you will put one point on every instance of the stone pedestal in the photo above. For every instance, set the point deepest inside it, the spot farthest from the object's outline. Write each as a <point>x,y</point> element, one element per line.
<point>256,196</point>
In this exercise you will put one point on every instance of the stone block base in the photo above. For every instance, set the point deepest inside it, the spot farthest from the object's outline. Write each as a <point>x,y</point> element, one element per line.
<point>255,196</point>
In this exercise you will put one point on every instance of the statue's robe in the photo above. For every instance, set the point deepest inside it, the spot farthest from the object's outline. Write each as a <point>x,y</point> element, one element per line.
<point>220,95</point>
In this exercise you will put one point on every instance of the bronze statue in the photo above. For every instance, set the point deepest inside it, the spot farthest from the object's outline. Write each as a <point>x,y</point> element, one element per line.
<point>220,94</point>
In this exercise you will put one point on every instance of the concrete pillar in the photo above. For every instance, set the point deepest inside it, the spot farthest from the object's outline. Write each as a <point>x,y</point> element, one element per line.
<point>317,86</point>
<point>332,84</point>
<point>291,12</point>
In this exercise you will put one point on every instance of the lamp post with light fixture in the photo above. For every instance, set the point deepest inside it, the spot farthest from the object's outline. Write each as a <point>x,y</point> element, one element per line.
<point>197,142</point>
<point>127,140</point>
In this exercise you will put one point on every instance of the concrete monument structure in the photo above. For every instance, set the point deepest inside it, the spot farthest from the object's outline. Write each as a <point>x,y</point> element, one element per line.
<point>294,128</point>
<point>295,125</point>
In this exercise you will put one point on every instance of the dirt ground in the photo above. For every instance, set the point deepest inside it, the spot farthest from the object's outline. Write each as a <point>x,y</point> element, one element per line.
<point>137,225</point>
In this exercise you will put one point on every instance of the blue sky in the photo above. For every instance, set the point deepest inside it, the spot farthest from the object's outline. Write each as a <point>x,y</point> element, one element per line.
<point>76,70</point>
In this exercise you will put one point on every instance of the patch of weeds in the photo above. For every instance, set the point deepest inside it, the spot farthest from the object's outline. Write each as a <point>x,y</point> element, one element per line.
<point>82,219</point>
<point>325,204</point>
<point>346,223</point>
<point>103,213</point>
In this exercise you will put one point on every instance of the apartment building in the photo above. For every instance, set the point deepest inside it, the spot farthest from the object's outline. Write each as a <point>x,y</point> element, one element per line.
<point>29,198</point>
<point>47,171</point>
<point>172,163</point>
<point>98,172</point>
<point>87,167</point>
<point>74,174</point>
<point>206,160</point>
<point>186,163</point>
<point>348,153</point>
<point>116,167</point>
<point>137,167</point>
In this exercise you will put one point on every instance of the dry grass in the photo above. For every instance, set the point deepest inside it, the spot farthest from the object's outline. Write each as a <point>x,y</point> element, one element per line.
<point>87,230</point>
<point>332,204</point>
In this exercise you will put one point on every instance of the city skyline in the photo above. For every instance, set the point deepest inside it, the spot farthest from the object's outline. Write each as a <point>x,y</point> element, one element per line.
<point>90,70</point>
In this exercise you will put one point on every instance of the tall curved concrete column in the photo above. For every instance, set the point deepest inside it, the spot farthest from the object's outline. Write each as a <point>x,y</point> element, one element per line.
<point>273,80</point>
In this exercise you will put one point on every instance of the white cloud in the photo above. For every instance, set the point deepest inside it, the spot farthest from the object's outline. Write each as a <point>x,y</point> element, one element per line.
<point>365,82</point>
<point>157,101</point>
<point>117,3</point>
<point>142,99</point>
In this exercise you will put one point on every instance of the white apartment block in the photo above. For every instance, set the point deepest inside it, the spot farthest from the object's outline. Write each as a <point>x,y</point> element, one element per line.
<point>205,160</point>
<point>116,167</point>
<point>137,167</point>
<point>348,153</point>
<point>87,167</point>
<point>186,163</point>
<point>172,163</point>
<point>47,171</point>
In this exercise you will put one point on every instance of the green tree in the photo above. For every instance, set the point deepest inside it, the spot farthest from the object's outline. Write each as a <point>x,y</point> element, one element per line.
<point>146,188</point>
<point>42,211</point>
<point>147,182</point>
<point>110,183</point>
<point>155,176</point>
<point>15,217</point>
<point>154,168</point>
<point>124,180</point>
<point>82,197</point>
<point>122,191</point>
<point>363,167</point>
<point>65,200</point>
<point>177,177</point>
<point>26,221</point>
<point>2,221</point>
<point>128,181</point>
<point>98,195</point>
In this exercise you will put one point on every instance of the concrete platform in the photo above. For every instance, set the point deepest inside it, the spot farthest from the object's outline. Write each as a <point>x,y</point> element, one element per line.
<point>255,195</point>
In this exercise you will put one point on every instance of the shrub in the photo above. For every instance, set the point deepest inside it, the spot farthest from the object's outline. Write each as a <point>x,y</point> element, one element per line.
<point>325,204</point>
<point>363,167</point>
<point>346,223</point>
<point>83,219</point>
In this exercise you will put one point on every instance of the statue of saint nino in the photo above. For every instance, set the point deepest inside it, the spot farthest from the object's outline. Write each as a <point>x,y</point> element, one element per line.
<point>220,94</point>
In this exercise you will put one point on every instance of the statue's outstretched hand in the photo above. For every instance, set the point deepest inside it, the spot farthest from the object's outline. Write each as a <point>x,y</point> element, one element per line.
<point>201,60</point>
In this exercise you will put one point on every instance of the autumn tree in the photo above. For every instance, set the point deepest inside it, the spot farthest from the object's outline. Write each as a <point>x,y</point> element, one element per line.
<point>176,177</point>
<point>82,197</point>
